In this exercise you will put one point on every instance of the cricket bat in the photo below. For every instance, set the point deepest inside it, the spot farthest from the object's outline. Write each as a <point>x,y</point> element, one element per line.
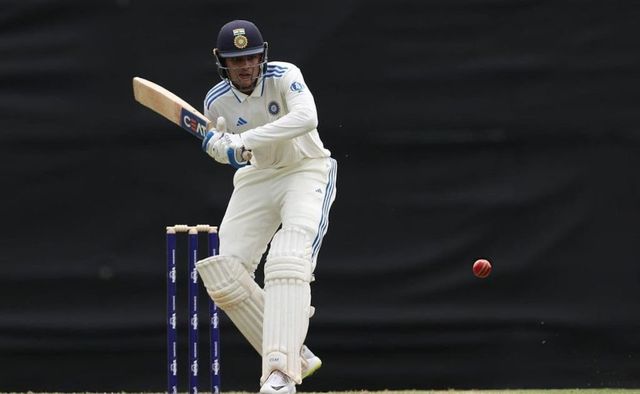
<point>172,107</point>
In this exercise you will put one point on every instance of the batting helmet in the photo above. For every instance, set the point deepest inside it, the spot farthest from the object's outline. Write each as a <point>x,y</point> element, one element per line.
<point>238,38</point>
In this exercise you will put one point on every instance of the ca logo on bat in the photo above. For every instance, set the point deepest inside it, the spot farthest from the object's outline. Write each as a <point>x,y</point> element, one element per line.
<point>193,123</point>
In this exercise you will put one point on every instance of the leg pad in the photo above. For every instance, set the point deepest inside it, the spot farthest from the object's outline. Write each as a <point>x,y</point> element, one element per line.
<point>287,302</point>
<point>236,293</point>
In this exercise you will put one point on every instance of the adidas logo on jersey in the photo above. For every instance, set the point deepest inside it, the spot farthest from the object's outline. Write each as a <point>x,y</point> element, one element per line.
<point>241,122</point>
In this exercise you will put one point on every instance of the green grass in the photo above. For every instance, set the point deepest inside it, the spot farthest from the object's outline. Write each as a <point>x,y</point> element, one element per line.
<point>450,391</point>
<point>528,391</point>
<point>566,391</point>
<point>512,391</point>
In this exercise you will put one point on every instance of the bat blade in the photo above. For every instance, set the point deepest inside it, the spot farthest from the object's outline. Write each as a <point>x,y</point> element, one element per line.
<point>172,107</point>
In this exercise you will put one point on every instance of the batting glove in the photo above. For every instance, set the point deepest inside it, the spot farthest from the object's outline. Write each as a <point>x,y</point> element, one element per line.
<point>224,147</point>
<point>212,144</point>
<point>236,153</point>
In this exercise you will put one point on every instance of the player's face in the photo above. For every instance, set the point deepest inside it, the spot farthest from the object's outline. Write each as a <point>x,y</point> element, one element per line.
<point>243,71</point>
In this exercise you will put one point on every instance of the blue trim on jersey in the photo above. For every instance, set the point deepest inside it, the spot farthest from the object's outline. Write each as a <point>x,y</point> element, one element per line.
<point>273,66</point>
<point>326,204</point>
<point>215,92</point>
<point>272,73</point>
<point>275,71</point>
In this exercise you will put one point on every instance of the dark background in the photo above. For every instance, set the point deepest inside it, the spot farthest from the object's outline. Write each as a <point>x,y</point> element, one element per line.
<point>502,129</point>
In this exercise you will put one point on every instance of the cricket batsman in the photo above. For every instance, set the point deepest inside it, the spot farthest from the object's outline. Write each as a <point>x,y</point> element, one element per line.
<point>284,186</point>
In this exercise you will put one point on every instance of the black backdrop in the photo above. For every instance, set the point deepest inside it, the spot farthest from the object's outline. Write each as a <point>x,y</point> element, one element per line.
<point>463,129</point>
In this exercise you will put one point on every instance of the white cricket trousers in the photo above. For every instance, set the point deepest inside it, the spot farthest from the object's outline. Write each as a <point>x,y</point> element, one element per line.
<point>299,196</point>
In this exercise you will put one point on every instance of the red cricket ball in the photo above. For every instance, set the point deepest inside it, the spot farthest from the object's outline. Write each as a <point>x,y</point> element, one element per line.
<point>482,268</point>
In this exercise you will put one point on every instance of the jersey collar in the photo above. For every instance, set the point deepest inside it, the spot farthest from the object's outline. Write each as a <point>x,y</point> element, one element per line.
<point>257,92</point>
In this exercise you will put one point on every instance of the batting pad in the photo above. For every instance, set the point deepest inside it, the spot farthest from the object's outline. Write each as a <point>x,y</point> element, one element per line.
<point>287,303</point>
<point>236,293</point>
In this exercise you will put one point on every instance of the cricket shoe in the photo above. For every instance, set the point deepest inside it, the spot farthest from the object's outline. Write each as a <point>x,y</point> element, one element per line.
<point>310,362</point>
<point>278,383</point>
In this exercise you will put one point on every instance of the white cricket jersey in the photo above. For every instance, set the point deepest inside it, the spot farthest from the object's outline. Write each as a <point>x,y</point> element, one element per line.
<point>277,121</point>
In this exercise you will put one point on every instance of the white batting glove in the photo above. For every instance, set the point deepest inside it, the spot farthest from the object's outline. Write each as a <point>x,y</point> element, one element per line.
<point>211,142</point>
<point>224,147</point>
<point>235,150</point>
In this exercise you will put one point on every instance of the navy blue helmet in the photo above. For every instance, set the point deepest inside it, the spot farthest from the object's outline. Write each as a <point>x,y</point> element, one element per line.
<point>238,38</point>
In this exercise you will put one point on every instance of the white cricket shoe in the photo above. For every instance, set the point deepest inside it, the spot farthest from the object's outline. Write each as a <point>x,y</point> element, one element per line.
<point>278,383</point>
<point>310,362</point>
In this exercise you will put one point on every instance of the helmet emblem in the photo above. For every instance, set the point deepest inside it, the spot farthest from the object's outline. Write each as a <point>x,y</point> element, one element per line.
<point>240,42</point>
<point>239,38</point>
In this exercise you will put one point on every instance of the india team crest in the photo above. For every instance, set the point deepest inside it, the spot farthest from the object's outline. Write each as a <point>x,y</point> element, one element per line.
<point>274,108</point>
<point>239,38</point>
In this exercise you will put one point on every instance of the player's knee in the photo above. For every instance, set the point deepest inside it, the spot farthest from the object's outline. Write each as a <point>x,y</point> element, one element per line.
<point>289,256</point>
<point>226,280</point>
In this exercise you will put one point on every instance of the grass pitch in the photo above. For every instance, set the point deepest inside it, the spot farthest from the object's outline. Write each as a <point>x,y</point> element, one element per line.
<point>512,391</point>
<point>451,391</point>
